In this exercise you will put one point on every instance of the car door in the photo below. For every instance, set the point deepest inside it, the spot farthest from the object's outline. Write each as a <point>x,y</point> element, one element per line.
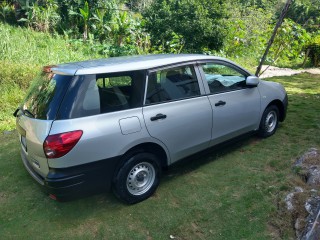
<point>235,106</point>
<point>176,111</point>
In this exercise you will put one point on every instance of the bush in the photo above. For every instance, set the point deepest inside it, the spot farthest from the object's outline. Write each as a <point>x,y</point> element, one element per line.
<point>248,31</point>
<point>289,43</point>
<point>7,12</point>
<point>313,51</point>
<point>200,26</point>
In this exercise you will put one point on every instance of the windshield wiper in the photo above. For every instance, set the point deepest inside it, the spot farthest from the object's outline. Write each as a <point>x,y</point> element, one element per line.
<point>27,112</point>
<point>16,112</point>
<point>24,111</point>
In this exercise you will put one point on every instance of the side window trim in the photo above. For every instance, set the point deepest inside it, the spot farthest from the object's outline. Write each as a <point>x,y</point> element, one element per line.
<point>202,85</point>
<point>226,63</point>
<point>197,75</point>
<point>219,62</point>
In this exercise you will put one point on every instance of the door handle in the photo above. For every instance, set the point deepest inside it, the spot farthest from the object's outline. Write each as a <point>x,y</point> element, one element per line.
<point>158,116</point>
<point>220,103</point>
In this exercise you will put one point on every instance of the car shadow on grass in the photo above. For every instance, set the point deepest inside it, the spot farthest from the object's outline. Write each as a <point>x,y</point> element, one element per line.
<point>199,159</point>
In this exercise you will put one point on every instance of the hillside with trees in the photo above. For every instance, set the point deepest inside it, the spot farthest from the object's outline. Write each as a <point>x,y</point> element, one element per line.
<point>227,28</point>
<point>35,33</point>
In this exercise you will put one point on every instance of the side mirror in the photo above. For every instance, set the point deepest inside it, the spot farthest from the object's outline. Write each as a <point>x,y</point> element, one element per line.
<point>252,81</point>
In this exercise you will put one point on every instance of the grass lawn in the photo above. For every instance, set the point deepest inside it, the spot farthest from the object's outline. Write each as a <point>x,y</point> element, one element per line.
<point>231,193</point>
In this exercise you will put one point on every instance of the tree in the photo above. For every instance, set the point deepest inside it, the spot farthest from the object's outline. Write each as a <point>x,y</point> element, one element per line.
<point>248,31</point>
<point>306,13</point>
<point>271,40</point>
<point>199,25</point>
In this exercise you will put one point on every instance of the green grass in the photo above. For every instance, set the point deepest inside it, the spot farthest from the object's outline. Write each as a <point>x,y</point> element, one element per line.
<point>230,193</point>
<point>22,45</point>
<point>22,54</point>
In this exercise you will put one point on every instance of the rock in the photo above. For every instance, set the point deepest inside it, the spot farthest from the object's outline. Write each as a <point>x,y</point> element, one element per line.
<point>298,189</point>
<point>308,167</point>
<point>299,227</point>
<point>289,198</point>
<point>311,153</point>
<point>312,229</point>
<point>288,201</point>
<point>313,205</point>
<point>314,233</point>
<point>308,207</point>
<point>313,177</point>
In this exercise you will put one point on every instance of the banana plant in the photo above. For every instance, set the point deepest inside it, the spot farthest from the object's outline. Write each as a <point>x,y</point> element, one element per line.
<point>100,25</point>
<point>85,14</point>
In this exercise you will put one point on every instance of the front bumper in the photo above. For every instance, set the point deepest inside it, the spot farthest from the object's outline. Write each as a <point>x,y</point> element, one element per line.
<point>285,106</point>
<point>69,183</point>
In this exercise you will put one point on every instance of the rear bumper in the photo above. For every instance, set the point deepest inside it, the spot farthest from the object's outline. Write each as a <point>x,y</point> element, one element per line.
<point>73,182</point>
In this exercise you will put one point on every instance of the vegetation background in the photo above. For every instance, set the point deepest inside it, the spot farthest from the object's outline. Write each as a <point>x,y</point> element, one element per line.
<point>34,33</point>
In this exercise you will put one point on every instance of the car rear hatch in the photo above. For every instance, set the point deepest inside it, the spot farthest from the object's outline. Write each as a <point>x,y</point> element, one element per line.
<point>34,119</point>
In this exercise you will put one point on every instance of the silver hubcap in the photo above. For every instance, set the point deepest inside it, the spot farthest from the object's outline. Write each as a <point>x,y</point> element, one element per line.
<point>140,178</point>
<point>271,121</point>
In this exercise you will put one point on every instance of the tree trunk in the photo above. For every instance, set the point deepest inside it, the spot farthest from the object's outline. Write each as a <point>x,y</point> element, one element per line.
<point>283,13</point>
<point>85,32</point>
<point>306,57</point>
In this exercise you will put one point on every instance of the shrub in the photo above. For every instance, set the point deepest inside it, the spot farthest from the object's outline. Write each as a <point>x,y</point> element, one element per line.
<point>7,12</point>
<point>248,31</point>
<point>199,25</point>
<point>289,43</point>
<point>313,51</point>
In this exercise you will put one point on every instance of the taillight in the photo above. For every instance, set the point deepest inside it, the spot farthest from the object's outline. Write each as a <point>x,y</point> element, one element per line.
<point>58,145</point>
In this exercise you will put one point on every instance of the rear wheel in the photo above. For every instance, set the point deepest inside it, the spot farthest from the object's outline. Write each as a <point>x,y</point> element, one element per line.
<point>138,178</point>
<point>269,121</point>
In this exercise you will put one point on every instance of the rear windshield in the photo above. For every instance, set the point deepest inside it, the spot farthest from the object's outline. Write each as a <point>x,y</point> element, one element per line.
<point>45,95</point>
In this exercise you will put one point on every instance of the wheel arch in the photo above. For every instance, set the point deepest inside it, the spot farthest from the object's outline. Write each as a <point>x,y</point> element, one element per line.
<point>153,148</point>
<point>280,107</point>
<point>150,147</point>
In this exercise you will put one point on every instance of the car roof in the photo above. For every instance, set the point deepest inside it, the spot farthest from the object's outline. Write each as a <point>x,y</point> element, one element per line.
<point>128,63</point>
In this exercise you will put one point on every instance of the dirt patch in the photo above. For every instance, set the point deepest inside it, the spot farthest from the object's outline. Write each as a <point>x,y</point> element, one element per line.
<point>271,71</point>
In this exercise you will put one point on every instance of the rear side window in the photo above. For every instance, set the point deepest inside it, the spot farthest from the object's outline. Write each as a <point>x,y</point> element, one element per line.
<point>103,93</point>
<point>45,95</point>
<point>172,84</point>
<point>115,93</point>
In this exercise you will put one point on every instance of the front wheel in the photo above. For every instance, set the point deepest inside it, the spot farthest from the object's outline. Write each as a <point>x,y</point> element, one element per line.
<point>269,121</point>
<point>138,178</point>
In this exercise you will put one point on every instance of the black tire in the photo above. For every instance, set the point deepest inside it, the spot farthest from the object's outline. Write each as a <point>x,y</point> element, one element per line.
<point>269,121</point>
<point>138,178</point>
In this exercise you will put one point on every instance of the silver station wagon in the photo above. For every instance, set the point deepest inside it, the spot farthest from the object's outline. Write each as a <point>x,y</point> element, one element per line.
<point>117,123</point>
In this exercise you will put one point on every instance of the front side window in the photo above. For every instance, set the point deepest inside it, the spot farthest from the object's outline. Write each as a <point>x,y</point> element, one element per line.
<point>222,78</point>
<point>172,84</point>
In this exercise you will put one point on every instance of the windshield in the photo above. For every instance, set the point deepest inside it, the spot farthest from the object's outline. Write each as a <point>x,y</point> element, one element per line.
<point>45,95</point>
